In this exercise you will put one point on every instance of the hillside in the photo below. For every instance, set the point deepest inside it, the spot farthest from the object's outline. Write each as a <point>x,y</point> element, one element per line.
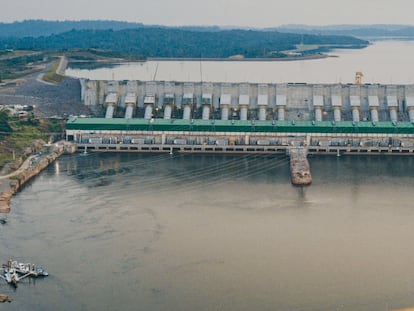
<point>39,28</point>
<point>180,43</point>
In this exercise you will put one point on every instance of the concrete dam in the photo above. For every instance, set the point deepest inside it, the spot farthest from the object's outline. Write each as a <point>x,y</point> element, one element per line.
<point>293,119</point>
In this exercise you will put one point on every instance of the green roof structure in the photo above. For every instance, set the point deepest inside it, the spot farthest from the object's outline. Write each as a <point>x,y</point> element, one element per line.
<point>345,127</point>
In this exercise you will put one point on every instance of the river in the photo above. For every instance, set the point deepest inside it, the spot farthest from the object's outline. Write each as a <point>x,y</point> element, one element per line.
<point>386,62</point>
<point>205,232</point>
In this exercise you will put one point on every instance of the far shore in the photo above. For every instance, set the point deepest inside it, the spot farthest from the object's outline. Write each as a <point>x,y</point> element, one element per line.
<point>241,59</point>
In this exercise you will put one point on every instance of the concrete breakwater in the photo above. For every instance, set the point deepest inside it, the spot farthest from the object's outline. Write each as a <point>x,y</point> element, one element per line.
<point>299,167</point>
<point>29,169</point>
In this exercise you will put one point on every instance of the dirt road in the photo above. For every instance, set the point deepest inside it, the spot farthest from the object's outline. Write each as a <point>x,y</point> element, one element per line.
<point>23,167</point>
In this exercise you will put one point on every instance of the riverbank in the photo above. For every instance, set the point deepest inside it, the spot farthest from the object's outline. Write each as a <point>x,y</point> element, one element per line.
<point>241,59</point>
<point>237,58</point>
<point>31,167</point>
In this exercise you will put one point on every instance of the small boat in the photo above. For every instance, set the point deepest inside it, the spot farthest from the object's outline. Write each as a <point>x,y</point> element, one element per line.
<point>7,276</point>
<point>41,272</point>
<point>11,276</point>
<point>21,267</point>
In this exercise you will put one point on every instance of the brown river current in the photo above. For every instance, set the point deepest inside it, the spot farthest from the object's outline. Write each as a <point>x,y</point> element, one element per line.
<point>194,232</point>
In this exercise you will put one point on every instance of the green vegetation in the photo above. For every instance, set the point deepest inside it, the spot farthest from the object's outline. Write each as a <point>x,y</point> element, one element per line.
<point>19,134</point>
<point>5,128</point>
<point>177,43</point>
<point>51,76</point>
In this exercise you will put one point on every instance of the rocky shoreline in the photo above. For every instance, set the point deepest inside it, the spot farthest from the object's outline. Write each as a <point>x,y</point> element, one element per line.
<point>30,168</point>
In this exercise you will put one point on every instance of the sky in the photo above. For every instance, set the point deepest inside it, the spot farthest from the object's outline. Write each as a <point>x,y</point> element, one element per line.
<point>254,13</point>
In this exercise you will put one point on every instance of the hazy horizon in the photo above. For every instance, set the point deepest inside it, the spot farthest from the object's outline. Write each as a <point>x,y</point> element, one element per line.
<point>316,26</point>
<point>257,14</point>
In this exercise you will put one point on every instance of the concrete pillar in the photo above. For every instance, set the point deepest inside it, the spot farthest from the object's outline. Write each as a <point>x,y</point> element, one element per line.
<point>337,114</point>
<point>411,114</point>
<point>281,114</point>
<point>246,140</point>
<point>206,112</point>
<point>308,140</point>
<point>374,115</point>
<point>225,112</point>
<point>187,112</point>
<point>148,112</point>
<point>393,115</point>
<point>355,115</point>
<point>129,111</point>
<point>109,111</point>
<point>243,113</point>
<point>167,112</point>
<point>262,113</point>
<point>318,114</point>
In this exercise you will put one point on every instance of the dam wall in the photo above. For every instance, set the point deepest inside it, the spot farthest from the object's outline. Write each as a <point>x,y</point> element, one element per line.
<point>196,116</point>
<point>246,101</point>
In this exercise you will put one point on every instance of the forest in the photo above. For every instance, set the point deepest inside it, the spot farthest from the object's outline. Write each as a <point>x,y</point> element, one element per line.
<point>179,43</point>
